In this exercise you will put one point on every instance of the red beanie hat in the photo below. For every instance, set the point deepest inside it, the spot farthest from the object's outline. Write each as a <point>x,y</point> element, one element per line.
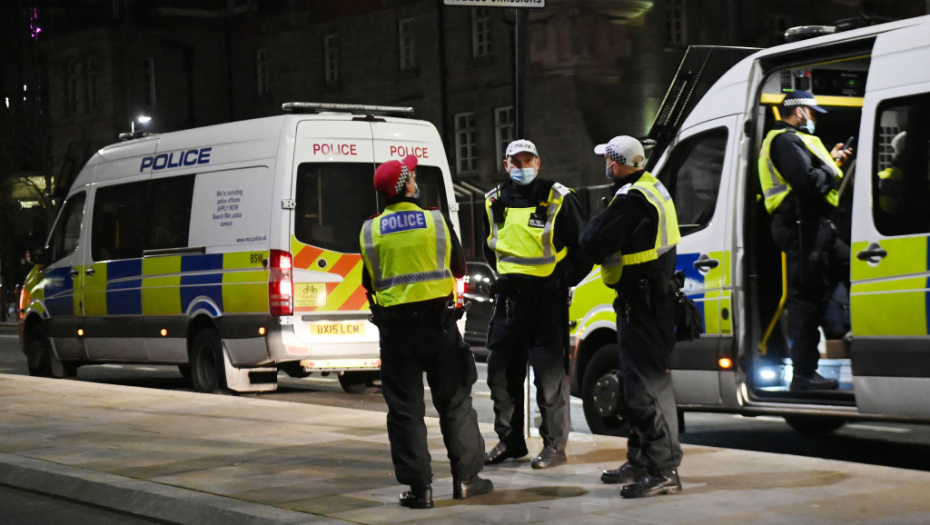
<point>391,176</point>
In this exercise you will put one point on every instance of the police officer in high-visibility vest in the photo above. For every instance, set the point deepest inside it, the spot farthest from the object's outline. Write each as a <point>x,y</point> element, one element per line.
<point>411,259</point>
<point>634,240</point>
<point>890,179</point>
<point>533,227</point>
<point>799,178</point>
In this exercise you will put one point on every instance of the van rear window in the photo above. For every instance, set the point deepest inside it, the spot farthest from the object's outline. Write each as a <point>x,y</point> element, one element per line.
<point>335,198</point>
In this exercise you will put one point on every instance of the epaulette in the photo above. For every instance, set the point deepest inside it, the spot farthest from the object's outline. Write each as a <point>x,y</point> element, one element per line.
<point>372,217</point>
<point>563,190</point>
<point>624,189</point>
<point>493,191</point>
<point>431,208</point>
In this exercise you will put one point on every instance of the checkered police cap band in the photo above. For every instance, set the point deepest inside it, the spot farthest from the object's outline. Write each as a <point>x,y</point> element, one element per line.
<point>792,102</point>
<point>402,180</point>
<point>612,152</point>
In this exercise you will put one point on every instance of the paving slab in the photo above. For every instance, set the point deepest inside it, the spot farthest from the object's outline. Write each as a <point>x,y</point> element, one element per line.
<point>189,458</point>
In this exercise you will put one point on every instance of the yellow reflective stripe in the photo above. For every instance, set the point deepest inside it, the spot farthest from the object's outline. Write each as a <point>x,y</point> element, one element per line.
<point>890,285</point>
<point>641,257</point>
<point>906,256</point>
<point>889,314</point>
<point>161,295</point>
<point>242,260</point>
<point>95,291</point>
<point>245,291</point>
<point>349,285</point>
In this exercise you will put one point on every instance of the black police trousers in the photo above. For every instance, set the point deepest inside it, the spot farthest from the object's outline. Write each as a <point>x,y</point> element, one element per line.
<point>408,349</point>
<point>817,261</point>
<point>530,327</point>
<point>646,336</point>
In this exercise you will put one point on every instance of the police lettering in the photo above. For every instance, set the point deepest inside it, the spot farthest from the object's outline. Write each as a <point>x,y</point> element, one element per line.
<point>416,151</point>
<point>176,159</point>
<point>403,221</point>
<point>335,149</point>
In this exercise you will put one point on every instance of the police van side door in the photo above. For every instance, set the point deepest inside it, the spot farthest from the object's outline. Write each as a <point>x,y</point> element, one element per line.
<point>64,277</point>
<point>890,252</point>
<point>696,174</point>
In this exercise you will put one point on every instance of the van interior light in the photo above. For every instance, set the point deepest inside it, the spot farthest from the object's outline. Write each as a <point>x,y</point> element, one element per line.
<point>725,363</point>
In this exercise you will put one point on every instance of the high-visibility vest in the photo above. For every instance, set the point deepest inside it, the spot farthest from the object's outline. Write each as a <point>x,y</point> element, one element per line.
<point>667,234</point>
<point>407,251</point>
<point>524,242</point>
<point>774,186</point>
<point>890,189</point>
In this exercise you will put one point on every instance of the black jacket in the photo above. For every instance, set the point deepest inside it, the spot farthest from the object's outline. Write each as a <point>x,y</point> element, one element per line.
<point>568,225</point>
<point>628,225</point>
<point>456,262</point>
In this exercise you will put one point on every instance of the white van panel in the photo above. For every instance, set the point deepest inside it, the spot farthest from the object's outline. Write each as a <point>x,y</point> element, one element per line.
<point>122,160</point>
<point>232,208</point>
<point>726,97</point>
<point>332,141</point>
<point>899,58</point>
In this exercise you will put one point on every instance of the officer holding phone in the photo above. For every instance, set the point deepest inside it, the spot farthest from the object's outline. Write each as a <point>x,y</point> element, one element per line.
<point>800,179</point>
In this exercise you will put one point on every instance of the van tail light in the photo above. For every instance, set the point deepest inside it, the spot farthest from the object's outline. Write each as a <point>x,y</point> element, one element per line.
<point>22,301</point>
<point>460,293</point>
<point>281,283</point>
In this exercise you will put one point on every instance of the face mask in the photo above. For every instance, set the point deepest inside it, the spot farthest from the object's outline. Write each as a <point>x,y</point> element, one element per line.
<point>809,125</point>
<point>609,171</point>
<point>522,177</point>
<point>416,190</point>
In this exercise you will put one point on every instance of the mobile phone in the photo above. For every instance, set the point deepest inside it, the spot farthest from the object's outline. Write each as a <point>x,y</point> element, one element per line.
<point>849,142</point>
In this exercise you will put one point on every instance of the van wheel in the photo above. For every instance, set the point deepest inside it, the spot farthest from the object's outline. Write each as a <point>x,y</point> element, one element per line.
<point>206,366</point>
<point>602,393</point>
<point>815,426</point>
<point>39,353</point>
<point>360,382</point>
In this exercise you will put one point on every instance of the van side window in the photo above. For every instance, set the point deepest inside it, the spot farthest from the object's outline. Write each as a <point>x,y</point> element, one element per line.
<point>432,189</point>
<point>901,166</point>
<point>692,175</point>
<point>171,212</point>
<point>67,232</point>
<point>119,221</point>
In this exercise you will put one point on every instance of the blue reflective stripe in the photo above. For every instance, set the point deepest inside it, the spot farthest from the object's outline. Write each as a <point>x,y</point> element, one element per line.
<point>202,278</point>
<point>190,294</point>
<point>200,263</point>
<point>125,284</point>
<point>124,302</point>
<point>117,270</point>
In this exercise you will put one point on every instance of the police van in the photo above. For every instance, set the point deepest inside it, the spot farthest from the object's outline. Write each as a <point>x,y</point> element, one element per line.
<point>875,84</point>
<point>230,251</point>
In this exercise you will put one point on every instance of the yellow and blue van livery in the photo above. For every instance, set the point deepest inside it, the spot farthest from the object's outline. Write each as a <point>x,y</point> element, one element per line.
<point>230,251</point>
<point>880,353</point>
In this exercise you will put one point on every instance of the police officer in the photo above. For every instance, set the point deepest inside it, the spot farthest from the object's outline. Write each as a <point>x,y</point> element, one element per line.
<point>533,227</point>
<point>890,179</point>
<point>635,238</point>
<point>799,178</point>
<point>411,258</point>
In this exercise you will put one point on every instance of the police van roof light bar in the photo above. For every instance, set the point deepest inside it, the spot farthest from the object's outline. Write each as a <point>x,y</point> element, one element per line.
<point>358,109</point>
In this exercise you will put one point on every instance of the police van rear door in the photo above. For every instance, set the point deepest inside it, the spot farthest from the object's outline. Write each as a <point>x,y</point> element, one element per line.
<point>334,165</point>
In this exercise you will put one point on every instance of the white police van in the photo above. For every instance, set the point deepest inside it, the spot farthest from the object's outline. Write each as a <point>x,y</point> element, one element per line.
<point>876,85</point>
<point>230,251</point>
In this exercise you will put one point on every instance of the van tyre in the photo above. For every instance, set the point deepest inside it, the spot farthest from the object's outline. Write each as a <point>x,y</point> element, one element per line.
<point>602,393</point>
<point>360,382</point>
<point>39,353</point>
<point>815,426</point>
<point>207,370</point>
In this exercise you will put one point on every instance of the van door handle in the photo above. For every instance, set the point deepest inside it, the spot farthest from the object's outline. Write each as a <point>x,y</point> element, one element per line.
<point>90,271</point>
<point>705,263</point>
<point>73,273</point>
<point>873,253</point>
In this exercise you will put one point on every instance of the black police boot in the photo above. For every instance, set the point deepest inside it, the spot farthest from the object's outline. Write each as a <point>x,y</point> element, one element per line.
<point>504,451</point>
<point>653,484</point>
<point>815,382</point>
<point>418,497</point>
<point>471,488</point>
<point>549,457</point>
<point>627,474</point>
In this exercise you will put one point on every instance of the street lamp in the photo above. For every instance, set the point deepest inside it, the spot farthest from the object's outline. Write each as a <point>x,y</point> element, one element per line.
<point>141,119</point>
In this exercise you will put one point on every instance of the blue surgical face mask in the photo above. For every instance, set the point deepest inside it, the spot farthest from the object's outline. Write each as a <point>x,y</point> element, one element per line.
<point>522,176</point>
<point>416,190</point>
<point>609,171</point>
<point>809,125</point>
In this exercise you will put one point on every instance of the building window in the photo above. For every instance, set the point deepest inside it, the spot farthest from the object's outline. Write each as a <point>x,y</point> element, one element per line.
<point>148,82</point>
<point>261,70</point>
<point>331,57</point>
<point>91,83</point>
<point>480,32</point>
<point>72,72</point>
<point>503,130</point>
<point>406,44</point>
<point>465,159</point>
<point>675,22</point>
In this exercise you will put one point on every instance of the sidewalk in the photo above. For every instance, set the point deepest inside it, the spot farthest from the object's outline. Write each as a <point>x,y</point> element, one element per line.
<point>203,459</point>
